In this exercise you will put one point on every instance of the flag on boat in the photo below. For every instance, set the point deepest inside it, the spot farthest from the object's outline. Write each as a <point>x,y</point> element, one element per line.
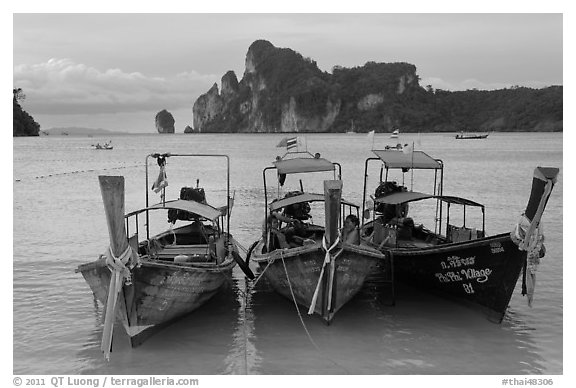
<point>408,149</point>
<point>371,138</point>
<point>294,144</point>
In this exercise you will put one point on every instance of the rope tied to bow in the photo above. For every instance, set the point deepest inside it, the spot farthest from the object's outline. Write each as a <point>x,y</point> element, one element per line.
<point>328,259</point>
<point>529,238</point>
<point>120,273</point>
<point>119,263</point>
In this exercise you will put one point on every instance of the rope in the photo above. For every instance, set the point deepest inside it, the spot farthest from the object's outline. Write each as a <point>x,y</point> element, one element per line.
<point>327,260</point>
<point>117,266</point>
<point>239,245</point>
<point>119,263</point>
<point>302,320</point>
<point>262,273</point>
<point>78,172</point>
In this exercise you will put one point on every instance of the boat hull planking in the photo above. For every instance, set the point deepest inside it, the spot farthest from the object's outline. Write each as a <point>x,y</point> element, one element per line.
<point>481,272</point>
<point>304,266</point>
<point>159,294</point>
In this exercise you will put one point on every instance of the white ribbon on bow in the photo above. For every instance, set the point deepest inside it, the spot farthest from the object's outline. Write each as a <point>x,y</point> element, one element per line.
<point>117,266</point>
<point>328,259</point>
<point>530,238</point>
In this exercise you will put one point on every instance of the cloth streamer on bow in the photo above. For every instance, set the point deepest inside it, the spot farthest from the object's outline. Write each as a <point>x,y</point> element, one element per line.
<point>117,266</point>
<point>161,182</point>
<point>534,247</point>
<point>328,259</point>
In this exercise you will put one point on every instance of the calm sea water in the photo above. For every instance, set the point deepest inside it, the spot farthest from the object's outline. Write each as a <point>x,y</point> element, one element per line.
<point>59,223</point>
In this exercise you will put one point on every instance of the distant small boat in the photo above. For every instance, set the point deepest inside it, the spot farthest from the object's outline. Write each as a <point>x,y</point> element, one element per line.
<point>105,146</point>
<point>397,147</point>
<point>351,131</point>
<point>461,135</point>
<point>395,134</point>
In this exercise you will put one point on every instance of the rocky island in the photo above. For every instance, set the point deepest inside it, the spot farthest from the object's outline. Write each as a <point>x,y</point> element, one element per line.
<point>164,122</point>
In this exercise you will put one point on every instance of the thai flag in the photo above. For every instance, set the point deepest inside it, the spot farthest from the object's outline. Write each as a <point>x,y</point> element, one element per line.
<point>292,143</point>
<point>295,144</point>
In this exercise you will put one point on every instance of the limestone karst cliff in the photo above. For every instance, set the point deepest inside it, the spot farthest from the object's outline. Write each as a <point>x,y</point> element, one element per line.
<point>282,91</point>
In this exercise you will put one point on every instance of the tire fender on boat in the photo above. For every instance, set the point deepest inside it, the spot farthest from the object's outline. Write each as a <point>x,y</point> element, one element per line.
<point>243,265</point>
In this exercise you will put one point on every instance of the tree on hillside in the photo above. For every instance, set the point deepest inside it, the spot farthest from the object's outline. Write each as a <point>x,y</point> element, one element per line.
<point>22,123</point>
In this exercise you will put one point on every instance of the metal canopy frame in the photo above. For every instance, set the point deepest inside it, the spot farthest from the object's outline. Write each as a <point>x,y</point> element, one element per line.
<point>224,210</point>
<point>414,160</point>
<point>336,168</point>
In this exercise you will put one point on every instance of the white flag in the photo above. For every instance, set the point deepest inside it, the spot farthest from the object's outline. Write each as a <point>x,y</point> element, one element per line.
<point>371,138</point>
<point>302,147</point>
<point>408,149</point>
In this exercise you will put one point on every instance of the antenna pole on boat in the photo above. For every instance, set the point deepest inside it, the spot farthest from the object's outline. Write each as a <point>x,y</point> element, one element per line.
<point>412,173</point>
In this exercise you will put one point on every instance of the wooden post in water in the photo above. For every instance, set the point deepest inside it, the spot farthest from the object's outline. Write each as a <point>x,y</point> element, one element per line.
<point>112,189</point>
<point>332,198</point>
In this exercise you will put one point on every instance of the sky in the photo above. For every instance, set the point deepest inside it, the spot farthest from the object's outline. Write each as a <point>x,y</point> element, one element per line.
<point>116,71</point>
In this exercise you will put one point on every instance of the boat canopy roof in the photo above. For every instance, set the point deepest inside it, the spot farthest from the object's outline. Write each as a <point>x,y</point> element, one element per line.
<point>411,196</point>
<point>305,197</point>
<point>415,159</point>
<point>299,165</point>
<point>203,210</point>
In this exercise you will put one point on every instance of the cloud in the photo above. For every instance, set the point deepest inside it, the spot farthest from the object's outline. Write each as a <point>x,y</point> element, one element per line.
<point>62,86</point>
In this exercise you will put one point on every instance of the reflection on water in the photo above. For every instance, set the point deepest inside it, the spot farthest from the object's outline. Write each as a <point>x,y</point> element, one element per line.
<point>243,357</point>
<point>263,334</point>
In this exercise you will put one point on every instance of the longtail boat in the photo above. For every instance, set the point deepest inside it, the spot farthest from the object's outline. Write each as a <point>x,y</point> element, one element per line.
<point>454,259</point>
<point>147,282</point>
<point>310,263</point>
<point>466,136</point>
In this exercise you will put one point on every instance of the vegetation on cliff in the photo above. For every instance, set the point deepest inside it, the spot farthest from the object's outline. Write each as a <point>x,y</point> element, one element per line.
<point>279,82</point>
<point>23,123</point>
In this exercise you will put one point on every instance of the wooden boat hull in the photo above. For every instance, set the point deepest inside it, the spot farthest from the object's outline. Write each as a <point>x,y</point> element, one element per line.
<point>304,266</point>
<point>159,294</point>
<point>481,272</point>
